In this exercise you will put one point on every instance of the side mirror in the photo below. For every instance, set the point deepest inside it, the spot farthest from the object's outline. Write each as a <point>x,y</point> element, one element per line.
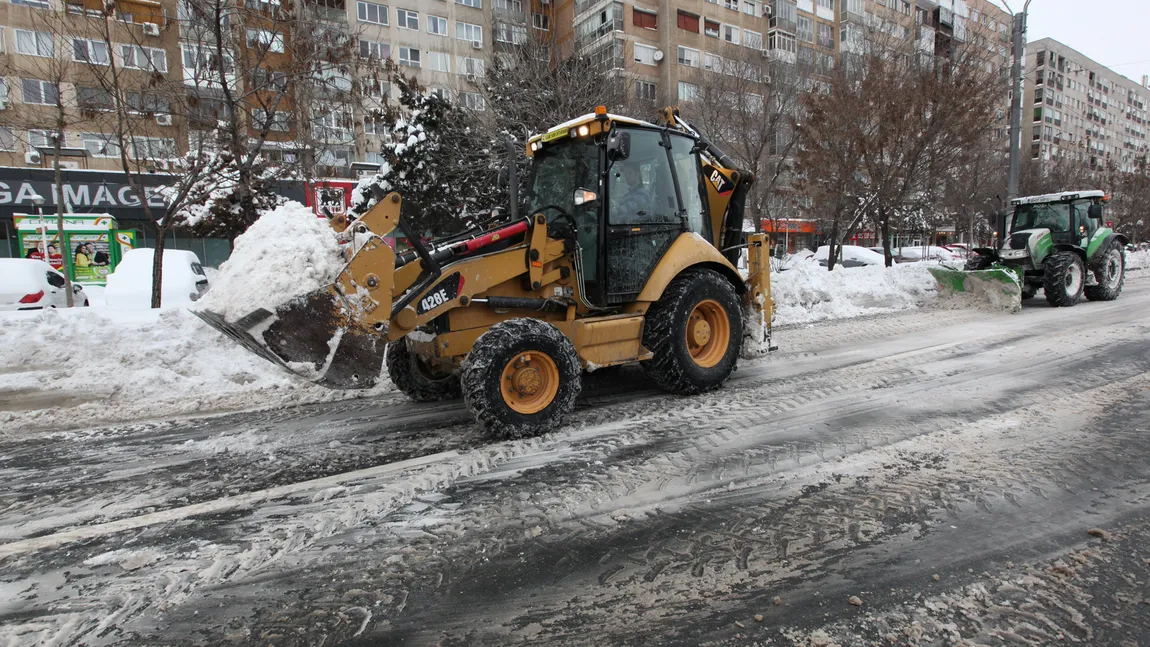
<point>584,196</point>
<point>618,145</point>
<point>76,287</point>
<point>1094,211</point>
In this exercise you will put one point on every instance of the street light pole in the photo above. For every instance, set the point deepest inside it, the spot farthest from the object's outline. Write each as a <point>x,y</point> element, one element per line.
<point>1018,49</point>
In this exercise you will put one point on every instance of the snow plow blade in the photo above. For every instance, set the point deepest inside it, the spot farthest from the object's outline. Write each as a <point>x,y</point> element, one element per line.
<point>998,286</point>
<point>312,336</point>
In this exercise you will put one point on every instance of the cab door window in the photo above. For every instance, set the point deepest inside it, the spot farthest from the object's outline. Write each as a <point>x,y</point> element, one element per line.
<point>689,176</point>
<point>640,189</point>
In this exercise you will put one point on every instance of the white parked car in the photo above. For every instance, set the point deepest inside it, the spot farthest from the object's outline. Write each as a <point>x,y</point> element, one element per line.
<point>851,256</point>
<point>130,284</point>
<point>27,284</point>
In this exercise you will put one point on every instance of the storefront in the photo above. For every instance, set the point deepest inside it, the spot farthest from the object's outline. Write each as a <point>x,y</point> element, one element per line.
<point>793,234</point>
<point>87,249</point>
<point>91,193</point>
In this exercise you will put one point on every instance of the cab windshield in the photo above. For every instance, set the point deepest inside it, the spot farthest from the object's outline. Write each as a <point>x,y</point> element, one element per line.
<point>1052,216</point>
<point>558,170</point>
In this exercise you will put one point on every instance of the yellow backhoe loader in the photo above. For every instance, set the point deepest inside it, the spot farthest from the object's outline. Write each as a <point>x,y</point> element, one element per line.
<point>629,253</point>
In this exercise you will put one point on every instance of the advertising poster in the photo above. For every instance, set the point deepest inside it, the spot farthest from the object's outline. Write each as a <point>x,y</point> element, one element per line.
<point>91,257</point>
<point>34,249</point>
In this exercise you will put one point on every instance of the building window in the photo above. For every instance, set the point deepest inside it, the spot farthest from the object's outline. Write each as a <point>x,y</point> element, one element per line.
<point>713,62</point>
<point>278,121</point>
<point>827,4</point>
<point>470,66</point>
<point>268,41</point>
<point>645,19</point>
<point>39,4</point>
<point>409,56</point>
<point>476,4</point>
<point>373,13</point>
<point>733,5</point>
<point>806,30</point>
<point>438,62</point>
<point>39,92</point>
<point>688,57</point>
<point>505,33</point>
<point>752,39</point>
<point>711,28</point>
<point>94,99</point>
<point>442,93</point>
<point>7,139</point>
<point>826,36</point>
<point>40,138</point>
<point>731,34</point>
<point>541,21</point>
<point>34,43</point>
<point>85,50</point>
<point>688,91</point>
<point>153,148</point>
<point>374,50</point>
<point>645,54</point>
<point>468,31</point>
<point>437,25</point>
<point>689,22</point>
<point>646,91</point>
<point>144,58</point>
<point>780,41</point>
<point>98,145</point>
<point>405,19</point>
<point>751,7</point>
<point>473,101</point>
<point>373,125</point>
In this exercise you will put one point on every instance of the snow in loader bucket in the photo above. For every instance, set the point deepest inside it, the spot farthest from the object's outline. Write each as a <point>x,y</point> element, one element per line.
<point>309,336</point>
<point>998,287</point>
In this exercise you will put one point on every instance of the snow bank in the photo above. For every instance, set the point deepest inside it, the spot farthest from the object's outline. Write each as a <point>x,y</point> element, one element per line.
<point>808,292</point>
<point>1139,260</point>
<point>84,367</point>
<point>287,252</point>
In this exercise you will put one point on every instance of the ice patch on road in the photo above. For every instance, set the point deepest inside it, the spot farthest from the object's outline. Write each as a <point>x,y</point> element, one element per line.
<point>807,292</point>
<point>286,253</point>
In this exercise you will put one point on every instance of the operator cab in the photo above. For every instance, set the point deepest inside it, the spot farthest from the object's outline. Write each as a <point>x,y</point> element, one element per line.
<point>1072,217</point>
<point>630,188</point>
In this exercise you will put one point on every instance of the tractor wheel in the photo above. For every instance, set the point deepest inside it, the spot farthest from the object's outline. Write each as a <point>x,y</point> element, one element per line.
<point>1110,272</point>
<point>415,378</point>
<point>1065,276</point>
<point>521,378</point>
<point>694,332</point>
<point>1029,290</point>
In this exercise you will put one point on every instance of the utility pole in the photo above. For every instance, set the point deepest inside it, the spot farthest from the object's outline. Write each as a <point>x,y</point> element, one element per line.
<point>1018,49</point>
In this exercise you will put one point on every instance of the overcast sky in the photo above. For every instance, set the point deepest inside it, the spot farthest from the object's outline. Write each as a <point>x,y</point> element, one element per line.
<point>1112,32</point>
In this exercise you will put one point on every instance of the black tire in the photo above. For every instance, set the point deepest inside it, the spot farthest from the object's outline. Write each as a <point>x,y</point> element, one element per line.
<point>1109,269</point>
<point>483,377</point>
<point>1029,290</point>
<point>1065,276</point>
<point>665,333</point>
<point>417,380</point>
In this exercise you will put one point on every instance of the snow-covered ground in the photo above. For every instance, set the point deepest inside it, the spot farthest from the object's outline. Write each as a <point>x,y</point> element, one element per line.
<point>1139,260</point>
<point>70,368</point>
<point>807,292</point>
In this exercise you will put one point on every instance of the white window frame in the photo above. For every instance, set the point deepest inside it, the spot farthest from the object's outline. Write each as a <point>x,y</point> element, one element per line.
<point>375,49</point>
<point>104,147</point>
<point>693,58</point>
<point>541,21</point>
<point>91,46</point>
<point>505,33</point>
<point>478,66</point>
<point>472,101</point>
<point>38,38</point>
<point>407,19</point>
<point>688,91</point>
<point>42,85</point>
<point>37,134</point>
<point>405,57</point>
<point>363,12</point>
<point>474,4</point>
<point>646,90</point>
<point>7,139</point>
<point>752,39</point>
<point>280,120</point>
<point>730,33</point>
<point>644,54</point>
<point>138,57</point>
<point>271,41</point>
<point>435,58</point>
<point>799,33</point>
<point>751,7</point>
<point>469,31</point>
<point>436,20</point>
<point>148,143</point>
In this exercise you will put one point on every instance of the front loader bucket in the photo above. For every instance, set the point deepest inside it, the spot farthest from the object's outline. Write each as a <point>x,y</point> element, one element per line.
<point>313,336</point>
<point>997,286</point>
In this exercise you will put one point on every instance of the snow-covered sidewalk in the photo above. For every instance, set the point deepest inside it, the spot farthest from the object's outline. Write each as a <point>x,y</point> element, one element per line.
<point>63,369</point>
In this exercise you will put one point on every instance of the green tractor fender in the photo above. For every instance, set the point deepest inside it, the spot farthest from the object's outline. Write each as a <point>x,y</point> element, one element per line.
<point>1102,240</point>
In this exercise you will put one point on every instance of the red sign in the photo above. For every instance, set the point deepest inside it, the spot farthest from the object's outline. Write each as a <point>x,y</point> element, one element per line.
<point>330,196</point>
<point>788,226</point>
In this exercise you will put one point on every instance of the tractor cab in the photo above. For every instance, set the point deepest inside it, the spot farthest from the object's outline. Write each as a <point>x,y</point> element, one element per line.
<point>1070,218</point>
<point>629,189</point>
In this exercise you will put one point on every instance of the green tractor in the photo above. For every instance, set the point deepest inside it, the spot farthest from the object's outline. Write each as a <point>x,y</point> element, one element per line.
<point>1056,242</point>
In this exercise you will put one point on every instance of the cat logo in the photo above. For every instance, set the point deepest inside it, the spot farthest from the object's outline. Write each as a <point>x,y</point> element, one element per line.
<point>718,180</point>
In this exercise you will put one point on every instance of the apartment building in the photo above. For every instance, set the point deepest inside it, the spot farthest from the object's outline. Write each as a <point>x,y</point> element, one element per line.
<point>1078,110</point>
<point>445,44</point>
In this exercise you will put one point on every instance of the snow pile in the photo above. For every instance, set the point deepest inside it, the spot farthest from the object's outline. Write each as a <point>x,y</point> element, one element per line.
<point>286,253</point>
<point>808,292</point>
<point>84,367</point>
<point>858,255</point>
<point>1139,260</point>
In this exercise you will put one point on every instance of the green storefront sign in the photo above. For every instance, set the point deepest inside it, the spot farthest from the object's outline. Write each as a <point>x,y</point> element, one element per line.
<point>90,249</point>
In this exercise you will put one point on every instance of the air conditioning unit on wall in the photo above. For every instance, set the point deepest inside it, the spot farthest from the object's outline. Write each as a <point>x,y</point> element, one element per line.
<point>151,29</point>
<point>32,157</point>
<point>164,120</point>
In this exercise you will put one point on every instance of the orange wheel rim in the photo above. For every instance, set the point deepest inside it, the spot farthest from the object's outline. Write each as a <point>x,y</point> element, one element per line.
<point>708,333</point>
<point>529,382</point>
